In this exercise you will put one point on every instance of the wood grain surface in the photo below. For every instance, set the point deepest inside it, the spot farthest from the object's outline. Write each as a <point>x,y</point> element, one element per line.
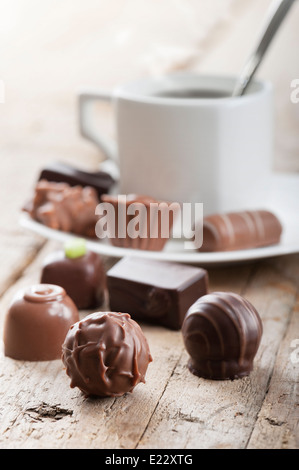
<point>174,409</point>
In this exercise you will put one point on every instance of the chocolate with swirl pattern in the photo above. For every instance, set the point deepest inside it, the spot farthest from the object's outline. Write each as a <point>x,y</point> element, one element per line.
<point>106,354</point>
<point>222,332</point>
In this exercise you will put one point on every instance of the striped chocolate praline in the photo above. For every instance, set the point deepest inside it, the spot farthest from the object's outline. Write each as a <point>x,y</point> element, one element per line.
<point>240,230</point>
<point>222,333</point>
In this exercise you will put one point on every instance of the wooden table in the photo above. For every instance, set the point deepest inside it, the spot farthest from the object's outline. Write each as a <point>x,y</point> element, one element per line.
<point>174,409</point>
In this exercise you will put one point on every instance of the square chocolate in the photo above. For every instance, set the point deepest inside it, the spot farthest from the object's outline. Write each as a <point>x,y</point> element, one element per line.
<point>154,291</point>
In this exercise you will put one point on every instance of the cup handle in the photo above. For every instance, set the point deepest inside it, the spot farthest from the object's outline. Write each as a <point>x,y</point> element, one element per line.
<point>87,123</point>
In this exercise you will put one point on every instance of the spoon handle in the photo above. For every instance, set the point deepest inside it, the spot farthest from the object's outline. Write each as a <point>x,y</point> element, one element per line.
<point>277,13</point>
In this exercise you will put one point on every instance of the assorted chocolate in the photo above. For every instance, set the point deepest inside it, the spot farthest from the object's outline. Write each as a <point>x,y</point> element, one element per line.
<point>155,291</point>
<point>222,332</point>
<point>66,198</point>
<point>79,271</point>
<point>106,354</point>
<point>240,230</point>
<point>62,207</point>
<point>37,322</point>
<point>137,213</point>
<point>59,172</point>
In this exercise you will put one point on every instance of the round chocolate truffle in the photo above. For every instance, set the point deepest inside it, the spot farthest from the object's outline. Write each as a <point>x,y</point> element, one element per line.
<point>222,332</point>
<point>37,322</point>
<point>106,354</point>
<point>80,272</point>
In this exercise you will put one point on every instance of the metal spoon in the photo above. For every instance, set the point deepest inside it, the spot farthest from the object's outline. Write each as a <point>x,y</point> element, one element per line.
<point>277,12</point>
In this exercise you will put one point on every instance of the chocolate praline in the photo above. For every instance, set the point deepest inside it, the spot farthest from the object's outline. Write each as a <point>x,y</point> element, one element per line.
<point>106,354</point>
<point>37,322</point>
<point>83,277</point>
<point>222,332</point>
<point>154,226</point>
<point>60,206</point>
<point>240,230</point>
<point>60,172</point>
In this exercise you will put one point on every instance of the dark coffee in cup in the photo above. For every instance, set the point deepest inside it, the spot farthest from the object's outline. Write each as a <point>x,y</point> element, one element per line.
<point>192,94</point>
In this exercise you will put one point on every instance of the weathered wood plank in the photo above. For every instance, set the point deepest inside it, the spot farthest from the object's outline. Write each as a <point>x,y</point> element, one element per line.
<point>174,409</point>
<point>277,426</point>
<point>16,253</point>
<point>83,423</point>
<point>209,414</point>
<point>33,392</point>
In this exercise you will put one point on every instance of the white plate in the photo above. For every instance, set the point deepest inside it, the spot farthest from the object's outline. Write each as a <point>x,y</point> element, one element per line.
<point>283,200</point>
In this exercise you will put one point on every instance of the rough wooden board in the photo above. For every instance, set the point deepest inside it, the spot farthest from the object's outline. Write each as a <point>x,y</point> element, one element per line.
<point>16,253</point>
<point>28,416</point>
<point>39,410</point>
<point>174,409</point>
<point>45,401</point>
<point>277,426</point>
<point>44,412</point>
<point>204,414</point>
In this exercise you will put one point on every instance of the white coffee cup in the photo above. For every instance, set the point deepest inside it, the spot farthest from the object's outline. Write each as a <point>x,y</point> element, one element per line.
<point>175,144</point>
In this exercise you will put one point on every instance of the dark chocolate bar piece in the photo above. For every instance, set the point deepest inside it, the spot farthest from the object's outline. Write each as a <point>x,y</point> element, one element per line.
<point>153,291</point>
<point>58,172</point>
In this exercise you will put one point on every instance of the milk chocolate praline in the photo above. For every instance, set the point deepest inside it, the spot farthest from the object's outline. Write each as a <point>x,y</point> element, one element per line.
<point>240,230</point>
<point>106,354</point>
<point>222,333</point>
<point>154,226</point>
<point>82,277</point>
<point>60,206</point>
<point>37,322</point>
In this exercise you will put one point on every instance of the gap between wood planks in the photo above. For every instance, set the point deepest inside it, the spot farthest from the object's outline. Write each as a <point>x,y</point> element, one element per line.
<point>158,401</point>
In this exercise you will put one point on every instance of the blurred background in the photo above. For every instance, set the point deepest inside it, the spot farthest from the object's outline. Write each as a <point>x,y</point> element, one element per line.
<point>51,48</point>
